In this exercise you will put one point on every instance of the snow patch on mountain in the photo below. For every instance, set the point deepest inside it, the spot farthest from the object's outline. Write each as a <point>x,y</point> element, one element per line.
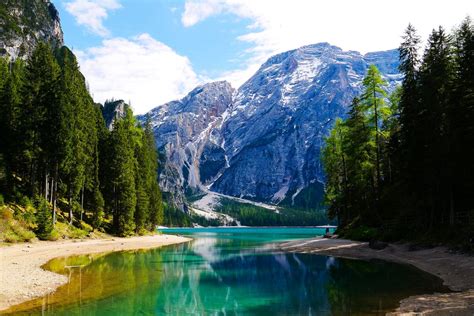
<point>263,141</point>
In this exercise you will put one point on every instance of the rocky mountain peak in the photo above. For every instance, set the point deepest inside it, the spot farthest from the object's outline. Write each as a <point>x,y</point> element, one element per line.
<point>212,96</point>
<point>263,141</point>
<point>187,131</point>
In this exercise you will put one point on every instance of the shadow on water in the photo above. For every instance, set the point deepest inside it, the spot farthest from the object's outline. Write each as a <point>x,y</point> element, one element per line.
<point>227,274</point>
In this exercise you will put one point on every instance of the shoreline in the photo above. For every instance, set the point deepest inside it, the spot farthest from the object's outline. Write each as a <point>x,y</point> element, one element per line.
<point>455,269</point>
<point>23,279</point>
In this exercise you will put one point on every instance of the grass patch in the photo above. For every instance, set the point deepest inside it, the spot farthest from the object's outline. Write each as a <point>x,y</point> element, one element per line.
<point>13,230</point>
<point>66,231</point>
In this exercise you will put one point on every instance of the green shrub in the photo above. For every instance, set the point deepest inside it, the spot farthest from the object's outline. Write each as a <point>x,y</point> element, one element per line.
<point>54,235</point>
<point>2,201</point>
<point>63,230</point>
<point>12,230</point>
<point>98,214</point>
<point>44,218</point>
<point>77,233</point>
<point>10,237</point>
<point>25,201</point>
<point>6,214</point>
<point>21,232</point>
<point>361,233</point>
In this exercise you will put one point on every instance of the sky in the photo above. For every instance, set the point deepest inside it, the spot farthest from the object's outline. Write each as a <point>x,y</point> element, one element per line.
<point>149,52</point>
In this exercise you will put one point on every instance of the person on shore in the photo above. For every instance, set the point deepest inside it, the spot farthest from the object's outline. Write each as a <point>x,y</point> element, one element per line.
<point>328,233</point>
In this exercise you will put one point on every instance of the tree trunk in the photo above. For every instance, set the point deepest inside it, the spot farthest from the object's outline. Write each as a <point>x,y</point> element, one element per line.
<point>377,146</point>
<point>54,193</point>
<point>82,201</point>
<point>54,187</point>
<point>46,186</point>
<point>51,190</point>
<point>70,206</point>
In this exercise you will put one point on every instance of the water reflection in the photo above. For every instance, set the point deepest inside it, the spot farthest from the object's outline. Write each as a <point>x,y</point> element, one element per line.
<point>227,274</point>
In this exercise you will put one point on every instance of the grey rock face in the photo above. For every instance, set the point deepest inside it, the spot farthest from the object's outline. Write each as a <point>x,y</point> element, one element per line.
<point>264,140</point>
<point>188,135</point>
<point>25,24</point>
<point>281,115</point>
<point>112,111</point>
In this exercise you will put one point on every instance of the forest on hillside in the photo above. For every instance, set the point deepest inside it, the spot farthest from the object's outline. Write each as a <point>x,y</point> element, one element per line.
<point>401,165</point>
<point>58,161</point>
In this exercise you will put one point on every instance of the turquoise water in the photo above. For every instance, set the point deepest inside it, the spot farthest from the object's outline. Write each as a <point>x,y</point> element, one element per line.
<point>229,271</point>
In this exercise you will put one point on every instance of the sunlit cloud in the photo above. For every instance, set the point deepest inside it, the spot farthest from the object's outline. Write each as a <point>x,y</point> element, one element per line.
<point>141,70</point>
<point>92,13</point>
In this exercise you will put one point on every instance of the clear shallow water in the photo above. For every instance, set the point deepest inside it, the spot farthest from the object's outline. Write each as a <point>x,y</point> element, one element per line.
<point>228,272</point>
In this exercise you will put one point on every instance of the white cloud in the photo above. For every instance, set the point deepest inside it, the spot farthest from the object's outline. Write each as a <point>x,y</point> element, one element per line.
<point>142,70</point>
<point>92,13</point>
<point>198,11</point>
<point>364,25</point>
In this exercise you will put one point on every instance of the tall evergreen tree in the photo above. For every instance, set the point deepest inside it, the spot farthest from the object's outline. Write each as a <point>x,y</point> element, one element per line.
<point>123,166</point>
<point>436,79</point>
<point>373,100</point>
<point>335,166</point>
<point>142,211</point>
<point>97,203</point>
<point>11,106</point>
<point>154,194</point>
<point>409,108</point>
<point>360,152</point>
<point>462,130</point>
<point>40,117</point>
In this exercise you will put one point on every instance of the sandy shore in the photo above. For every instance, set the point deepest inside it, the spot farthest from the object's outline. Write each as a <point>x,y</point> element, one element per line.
<point>22,278</point>
<point>456,270</point>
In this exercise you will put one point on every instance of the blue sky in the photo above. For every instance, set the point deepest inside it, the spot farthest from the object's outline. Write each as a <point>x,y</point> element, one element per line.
<point>153,51</point>
<point>212,46</point>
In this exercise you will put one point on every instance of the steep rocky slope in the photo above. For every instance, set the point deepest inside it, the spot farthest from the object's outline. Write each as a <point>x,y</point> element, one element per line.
<point>25,22</point>
<point>113,110</point>
<point>263,141</point>
<point>281,115</point>
<point>188,135</point>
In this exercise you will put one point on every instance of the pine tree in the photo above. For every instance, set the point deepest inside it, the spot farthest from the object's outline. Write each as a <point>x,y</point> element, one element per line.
<point>462,136</point>
<point>373,101</point>
<point>44,220</point>
<point>142,211</point>
<point>11,106</point>
<point>4,74</point>
<point>40,116</point>
<point>123,166</point>
<point>334,160</point>
<point>409,109</point>
<point>391,132</point>
<point>154,194</point>
<point>97,203</point>
<point>436,79</point>
<point>424,148</point>
<point>360,160</point>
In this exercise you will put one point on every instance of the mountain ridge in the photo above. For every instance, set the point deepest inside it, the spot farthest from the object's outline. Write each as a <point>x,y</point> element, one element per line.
<point>264,143</point>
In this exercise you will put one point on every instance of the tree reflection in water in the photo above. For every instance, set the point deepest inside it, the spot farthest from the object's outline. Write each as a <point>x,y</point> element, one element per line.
<point>227,274</point>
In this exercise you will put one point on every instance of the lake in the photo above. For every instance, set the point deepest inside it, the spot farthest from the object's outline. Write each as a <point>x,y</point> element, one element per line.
<point>229,271</point>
